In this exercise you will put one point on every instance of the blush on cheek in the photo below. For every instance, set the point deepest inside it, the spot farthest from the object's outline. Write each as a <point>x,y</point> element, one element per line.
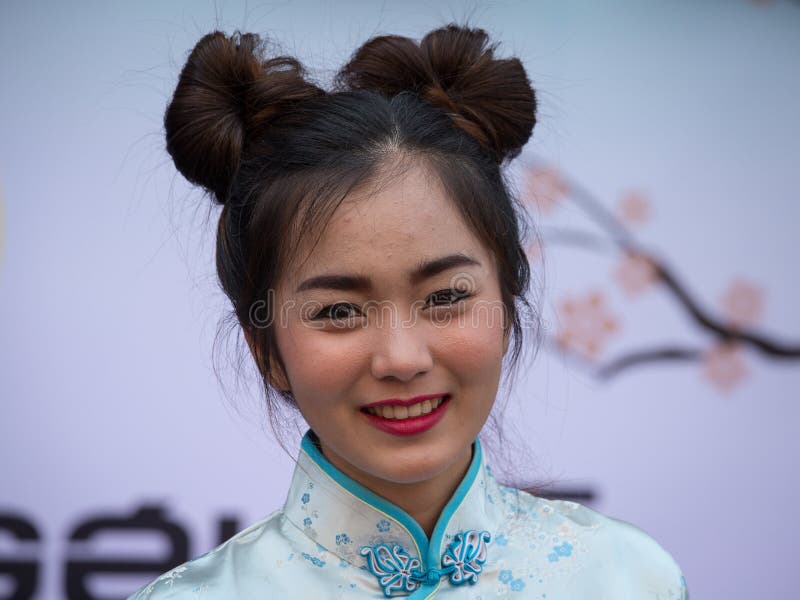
<point>323,360</point>
<point>477,350</point>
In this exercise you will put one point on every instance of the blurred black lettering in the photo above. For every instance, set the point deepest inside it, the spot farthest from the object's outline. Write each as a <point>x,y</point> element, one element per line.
<point>148,518</point>
<point>22,570</point>
<point>227,527</point>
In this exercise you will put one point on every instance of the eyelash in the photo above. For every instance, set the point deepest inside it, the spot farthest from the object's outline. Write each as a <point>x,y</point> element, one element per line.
<point>455,295</point>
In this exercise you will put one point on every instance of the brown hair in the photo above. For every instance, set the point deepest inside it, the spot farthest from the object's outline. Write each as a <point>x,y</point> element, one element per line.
<point>280,153</point>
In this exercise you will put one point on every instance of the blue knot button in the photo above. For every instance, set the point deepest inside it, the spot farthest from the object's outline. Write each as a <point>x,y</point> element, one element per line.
<point>431,577</point>
<point>398,572</point>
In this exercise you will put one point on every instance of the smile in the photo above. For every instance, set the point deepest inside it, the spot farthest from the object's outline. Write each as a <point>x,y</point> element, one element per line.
<point>411,419</point>
<point>389,411</point>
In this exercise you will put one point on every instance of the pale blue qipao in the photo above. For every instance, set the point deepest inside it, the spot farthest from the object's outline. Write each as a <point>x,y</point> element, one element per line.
<point>336,539</point>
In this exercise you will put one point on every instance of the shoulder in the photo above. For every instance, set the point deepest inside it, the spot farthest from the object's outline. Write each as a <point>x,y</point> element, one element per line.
<point>629,558</point>
<point>643,564</point>
<point>215,574</point>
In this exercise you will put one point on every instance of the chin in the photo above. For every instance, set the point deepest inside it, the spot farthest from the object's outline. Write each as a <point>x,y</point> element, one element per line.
<point>411,470</point>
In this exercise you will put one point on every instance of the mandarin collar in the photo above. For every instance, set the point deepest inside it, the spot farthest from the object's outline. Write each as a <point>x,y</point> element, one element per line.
<point>371,533</point>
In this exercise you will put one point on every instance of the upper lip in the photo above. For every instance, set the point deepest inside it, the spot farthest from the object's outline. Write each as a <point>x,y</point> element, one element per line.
<point>401,402</point>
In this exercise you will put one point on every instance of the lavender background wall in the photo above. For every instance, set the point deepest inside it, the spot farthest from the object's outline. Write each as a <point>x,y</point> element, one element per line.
<point>679,118</point>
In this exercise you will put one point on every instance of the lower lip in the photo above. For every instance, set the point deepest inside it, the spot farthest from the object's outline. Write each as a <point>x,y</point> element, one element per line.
<point>412,425</point>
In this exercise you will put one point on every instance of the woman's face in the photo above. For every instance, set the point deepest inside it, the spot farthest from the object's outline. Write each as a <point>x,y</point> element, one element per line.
<point>362,321</point>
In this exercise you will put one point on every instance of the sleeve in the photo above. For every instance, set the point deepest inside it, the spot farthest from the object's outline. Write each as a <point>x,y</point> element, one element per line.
<point>649,570</point>
<point>194,579</point>
<point>169,585</point>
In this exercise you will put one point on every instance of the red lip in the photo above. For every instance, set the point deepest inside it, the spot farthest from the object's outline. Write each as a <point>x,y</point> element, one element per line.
<point>411,425</point>
<point>401,402</point>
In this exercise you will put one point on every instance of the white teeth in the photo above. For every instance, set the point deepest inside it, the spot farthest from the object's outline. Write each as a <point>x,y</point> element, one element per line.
<point>404,412</point>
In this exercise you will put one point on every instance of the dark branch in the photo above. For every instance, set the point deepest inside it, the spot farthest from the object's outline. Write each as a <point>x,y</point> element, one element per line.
<point>726,332</point>
<point>616,366</point>
<point>623,238</point>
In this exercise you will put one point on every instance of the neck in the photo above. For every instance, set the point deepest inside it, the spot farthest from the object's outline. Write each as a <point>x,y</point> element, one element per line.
<point>424,500</point>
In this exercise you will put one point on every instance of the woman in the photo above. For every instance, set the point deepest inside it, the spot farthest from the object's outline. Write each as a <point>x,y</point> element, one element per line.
<point>373,257</point>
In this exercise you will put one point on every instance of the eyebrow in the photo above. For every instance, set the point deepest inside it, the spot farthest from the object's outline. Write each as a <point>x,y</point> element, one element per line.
<point>360,283</point>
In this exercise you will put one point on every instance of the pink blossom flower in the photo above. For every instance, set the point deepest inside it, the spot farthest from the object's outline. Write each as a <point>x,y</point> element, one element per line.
<point>535,253</point>
<point>635,273</point>
<point>544,187</point>
<point>724,366</point>
<point>743,303</point>
<point>634,208</point>
<point>585,324</point>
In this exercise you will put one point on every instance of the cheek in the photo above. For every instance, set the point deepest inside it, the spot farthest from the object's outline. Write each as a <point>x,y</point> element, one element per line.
<point>473,349</point>
<point>320,362</point>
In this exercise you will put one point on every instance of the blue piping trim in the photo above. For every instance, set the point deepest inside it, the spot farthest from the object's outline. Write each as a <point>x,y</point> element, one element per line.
<point>423,593</point>
<point>430,551</point>
<point>434,549</point>
<point>366,495</point>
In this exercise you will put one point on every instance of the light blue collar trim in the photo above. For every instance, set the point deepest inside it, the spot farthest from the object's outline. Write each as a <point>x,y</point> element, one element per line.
<point>429,550</point>
<point>434,550</point>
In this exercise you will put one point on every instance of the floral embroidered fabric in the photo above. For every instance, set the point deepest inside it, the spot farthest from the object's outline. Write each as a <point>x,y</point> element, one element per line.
<point>333,538</point>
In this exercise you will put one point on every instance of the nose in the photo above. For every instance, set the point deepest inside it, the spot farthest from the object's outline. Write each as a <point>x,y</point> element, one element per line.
<point>401,351</point>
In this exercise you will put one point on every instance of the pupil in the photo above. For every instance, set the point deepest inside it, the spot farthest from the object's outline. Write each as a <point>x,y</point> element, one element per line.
<point>340,311</point>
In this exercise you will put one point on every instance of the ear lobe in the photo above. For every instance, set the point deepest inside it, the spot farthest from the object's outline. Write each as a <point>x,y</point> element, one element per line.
<point>275,377</point>
<point>253,348</point>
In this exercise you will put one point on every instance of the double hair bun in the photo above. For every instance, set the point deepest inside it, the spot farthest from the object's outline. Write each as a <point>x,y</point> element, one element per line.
<point>228,91</point>
<point>453,68</point>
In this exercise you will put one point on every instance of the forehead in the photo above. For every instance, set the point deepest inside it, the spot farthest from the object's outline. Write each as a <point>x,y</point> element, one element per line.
<point>385,230</point>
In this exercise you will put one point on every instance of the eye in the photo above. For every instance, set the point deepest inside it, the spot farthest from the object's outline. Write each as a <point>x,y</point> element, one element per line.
<point>340,311</point>
<point>447,297</point>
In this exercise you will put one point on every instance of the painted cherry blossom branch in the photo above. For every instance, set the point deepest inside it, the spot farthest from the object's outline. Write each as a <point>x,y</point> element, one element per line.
<point>589,241</point>
<point>575,238</point>
<point>640,357</point>
<point>635,358</point>
<point>729,333</point>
